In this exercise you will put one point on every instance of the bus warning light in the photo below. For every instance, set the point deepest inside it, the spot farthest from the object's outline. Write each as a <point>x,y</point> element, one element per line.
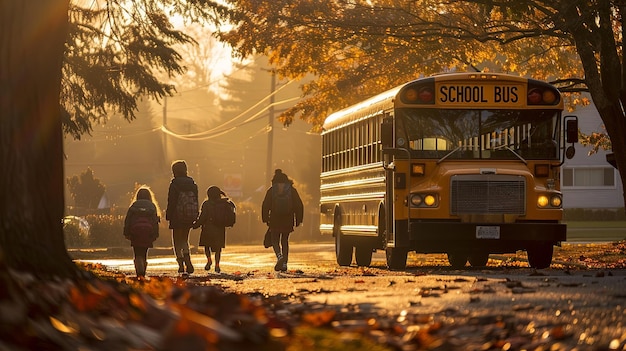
<point>549,97</point>
<point>418,169</point>
<point>425,95</point>
<point>535,97</point>
<point>542,170</point>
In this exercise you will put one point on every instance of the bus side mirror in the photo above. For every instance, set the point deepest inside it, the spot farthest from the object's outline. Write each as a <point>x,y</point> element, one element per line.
<point>386,133</point>
<point>571,129</point>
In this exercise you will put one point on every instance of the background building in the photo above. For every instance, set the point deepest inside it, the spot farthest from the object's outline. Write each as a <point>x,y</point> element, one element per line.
<point>589,181</point>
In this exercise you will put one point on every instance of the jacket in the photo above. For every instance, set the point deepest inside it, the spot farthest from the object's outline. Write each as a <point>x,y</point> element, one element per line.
<point>282,223</point>
<point>177,185</point>
<point>211,235</point>
<point>137,209</point>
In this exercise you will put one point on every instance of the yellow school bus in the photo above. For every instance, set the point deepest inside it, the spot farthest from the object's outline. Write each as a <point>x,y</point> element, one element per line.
<point>465,164</point>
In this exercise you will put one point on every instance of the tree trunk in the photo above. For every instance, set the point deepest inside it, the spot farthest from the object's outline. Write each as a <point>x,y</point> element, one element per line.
<point>615,125</point>
<point>32,42</point>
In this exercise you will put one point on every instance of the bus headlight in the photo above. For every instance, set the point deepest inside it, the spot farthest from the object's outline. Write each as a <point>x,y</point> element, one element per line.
<point>542,201</point>
<point>429,200</point>
<point>550,201</point>
<point>555,201</point>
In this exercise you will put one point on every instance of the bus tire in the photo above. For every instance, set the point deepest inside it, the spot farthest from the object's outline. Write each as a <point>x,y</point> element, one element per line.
<point>396,257</point>
<point>540,255</point>
<point>363,255</point>
<point>457,259</point>
<point>478,259</point>
<point>343,250</point>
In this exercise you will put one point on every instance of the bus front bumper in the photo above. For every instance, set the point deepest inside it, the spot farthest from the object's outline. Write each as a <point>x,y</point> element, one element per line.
<point>438,236</point>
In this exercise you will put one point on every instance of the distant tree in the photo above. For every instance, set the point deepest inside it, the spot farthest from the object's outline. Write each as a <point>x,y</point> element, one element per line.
<point>361,47</point>
<point>107,65</point>
<point>116,53</point>
<point>86,190</point>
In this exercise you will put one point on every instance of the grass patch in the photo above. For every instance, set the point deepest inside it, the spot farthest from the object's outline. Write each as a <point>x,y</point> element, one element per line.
<point>595,224</point>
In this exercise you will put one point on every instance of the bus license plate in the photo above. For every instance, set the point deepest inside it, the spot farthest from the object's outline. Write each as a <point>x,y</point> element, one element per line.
<point>487,232</point>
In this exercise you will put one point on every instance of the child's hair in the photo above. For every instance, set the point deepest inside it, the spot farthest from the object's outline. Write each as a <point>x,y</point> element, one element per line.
<point>280,177</point>
<point>145,193</point>
<point>179,168</point>
<point>214,192</point>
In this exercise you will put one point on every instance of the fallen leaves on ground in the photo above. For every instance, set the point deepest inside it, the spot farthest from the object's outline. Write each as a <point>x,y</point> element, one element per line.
<point>111,311</point>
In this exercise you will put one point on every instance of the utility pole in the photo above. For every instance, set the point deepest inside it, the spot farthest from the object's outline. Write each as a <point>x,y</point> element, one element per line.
<point>270,134</point>
<point>165,161</point>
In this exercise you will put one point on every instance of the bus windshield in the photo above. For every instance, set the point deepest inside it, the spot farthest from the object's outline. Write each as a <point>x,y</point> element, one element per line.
<point>478,134</point>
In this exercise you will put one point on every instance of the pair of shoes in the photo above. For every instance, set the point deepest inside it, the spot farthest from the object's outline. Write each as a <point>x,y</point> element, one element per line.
<point>208,266</point>
<point>188,263</point>
<point>284,267</point>
<point>181,265</point>
<point>217,269</point>
<point>279,263</point>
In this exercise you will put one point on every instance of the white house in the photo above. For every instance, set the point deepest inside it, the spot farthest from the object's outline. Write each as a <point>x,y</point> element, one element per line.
<point>589,181</point>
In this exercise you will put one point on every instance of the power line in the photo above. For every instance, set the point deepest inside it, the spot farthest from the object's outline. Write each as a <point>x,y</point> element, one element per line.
<point>214,132</point>
<point>219,127</point>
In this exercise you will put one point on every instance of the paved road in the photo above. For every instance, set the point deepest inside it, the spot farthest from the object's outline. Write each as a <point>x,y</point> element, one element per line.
<point>557,308</point>
<point>242,258</point>
<point>254,257</point>
<point>245,258</point>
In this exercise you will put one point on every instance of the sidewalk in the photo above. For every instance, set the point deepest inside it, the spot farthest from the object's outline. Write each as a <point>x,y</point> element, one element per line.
<point>121,252</point>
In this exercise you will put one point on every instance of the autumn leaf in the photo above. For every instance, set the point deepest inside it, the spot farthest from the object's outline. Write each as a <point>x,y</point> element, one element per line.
<point>320,318</point>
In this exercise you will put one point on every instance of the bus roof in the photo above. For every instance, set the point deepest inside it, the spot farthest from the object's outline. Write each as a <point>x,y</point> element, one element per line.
<point>385,101</point>
<point>374,105</point>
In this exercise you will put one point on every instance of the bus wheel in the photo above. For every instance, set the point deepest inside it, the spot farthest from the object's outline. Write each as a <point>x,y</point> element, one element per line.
<point>478,259</point>
<point>343,250</point>
<point>396,257</point>
<point>540,255</point>
<point>457,259</point>
<point>363,255</point>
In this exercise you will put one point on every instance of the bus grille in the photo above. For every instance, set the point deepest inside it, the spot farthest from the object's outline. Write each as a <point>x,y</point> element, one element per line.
<point>488,194</point>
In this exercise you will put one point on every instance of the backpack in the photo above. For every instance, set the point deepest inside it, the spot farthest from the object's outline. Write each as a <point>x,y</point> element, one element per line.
<point>223,213</point>
<point>187,206</point>
<point>282,203</point>
<point>142,228</point>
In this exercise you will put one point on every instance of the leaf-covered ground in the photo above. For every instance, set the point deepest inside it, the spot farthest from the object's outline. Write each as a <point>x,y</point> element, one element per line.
<point>118,312</point>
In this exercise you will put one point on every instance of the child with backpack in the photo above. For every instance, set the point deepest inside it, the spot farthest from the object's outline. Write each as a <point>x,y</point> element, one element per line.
<point>216,214</point>
<point>181,212</point>
<point>141,227</point>
<point>282,208</point>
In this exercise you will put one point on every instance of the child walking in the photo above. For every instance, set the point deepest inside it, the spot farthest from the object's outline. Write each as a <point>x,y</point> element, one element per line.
<point>181,211</point>
<point>141,227</point>
<point>213,220</point>
<point>282,208</point>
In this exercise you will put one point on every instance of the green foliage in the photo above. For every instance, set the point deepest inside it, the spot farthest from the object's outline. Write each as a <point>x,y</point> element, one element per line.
<point>86,190</point>
<point>75,236</point>
<point>116,54</point>
<point>106,231</point>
